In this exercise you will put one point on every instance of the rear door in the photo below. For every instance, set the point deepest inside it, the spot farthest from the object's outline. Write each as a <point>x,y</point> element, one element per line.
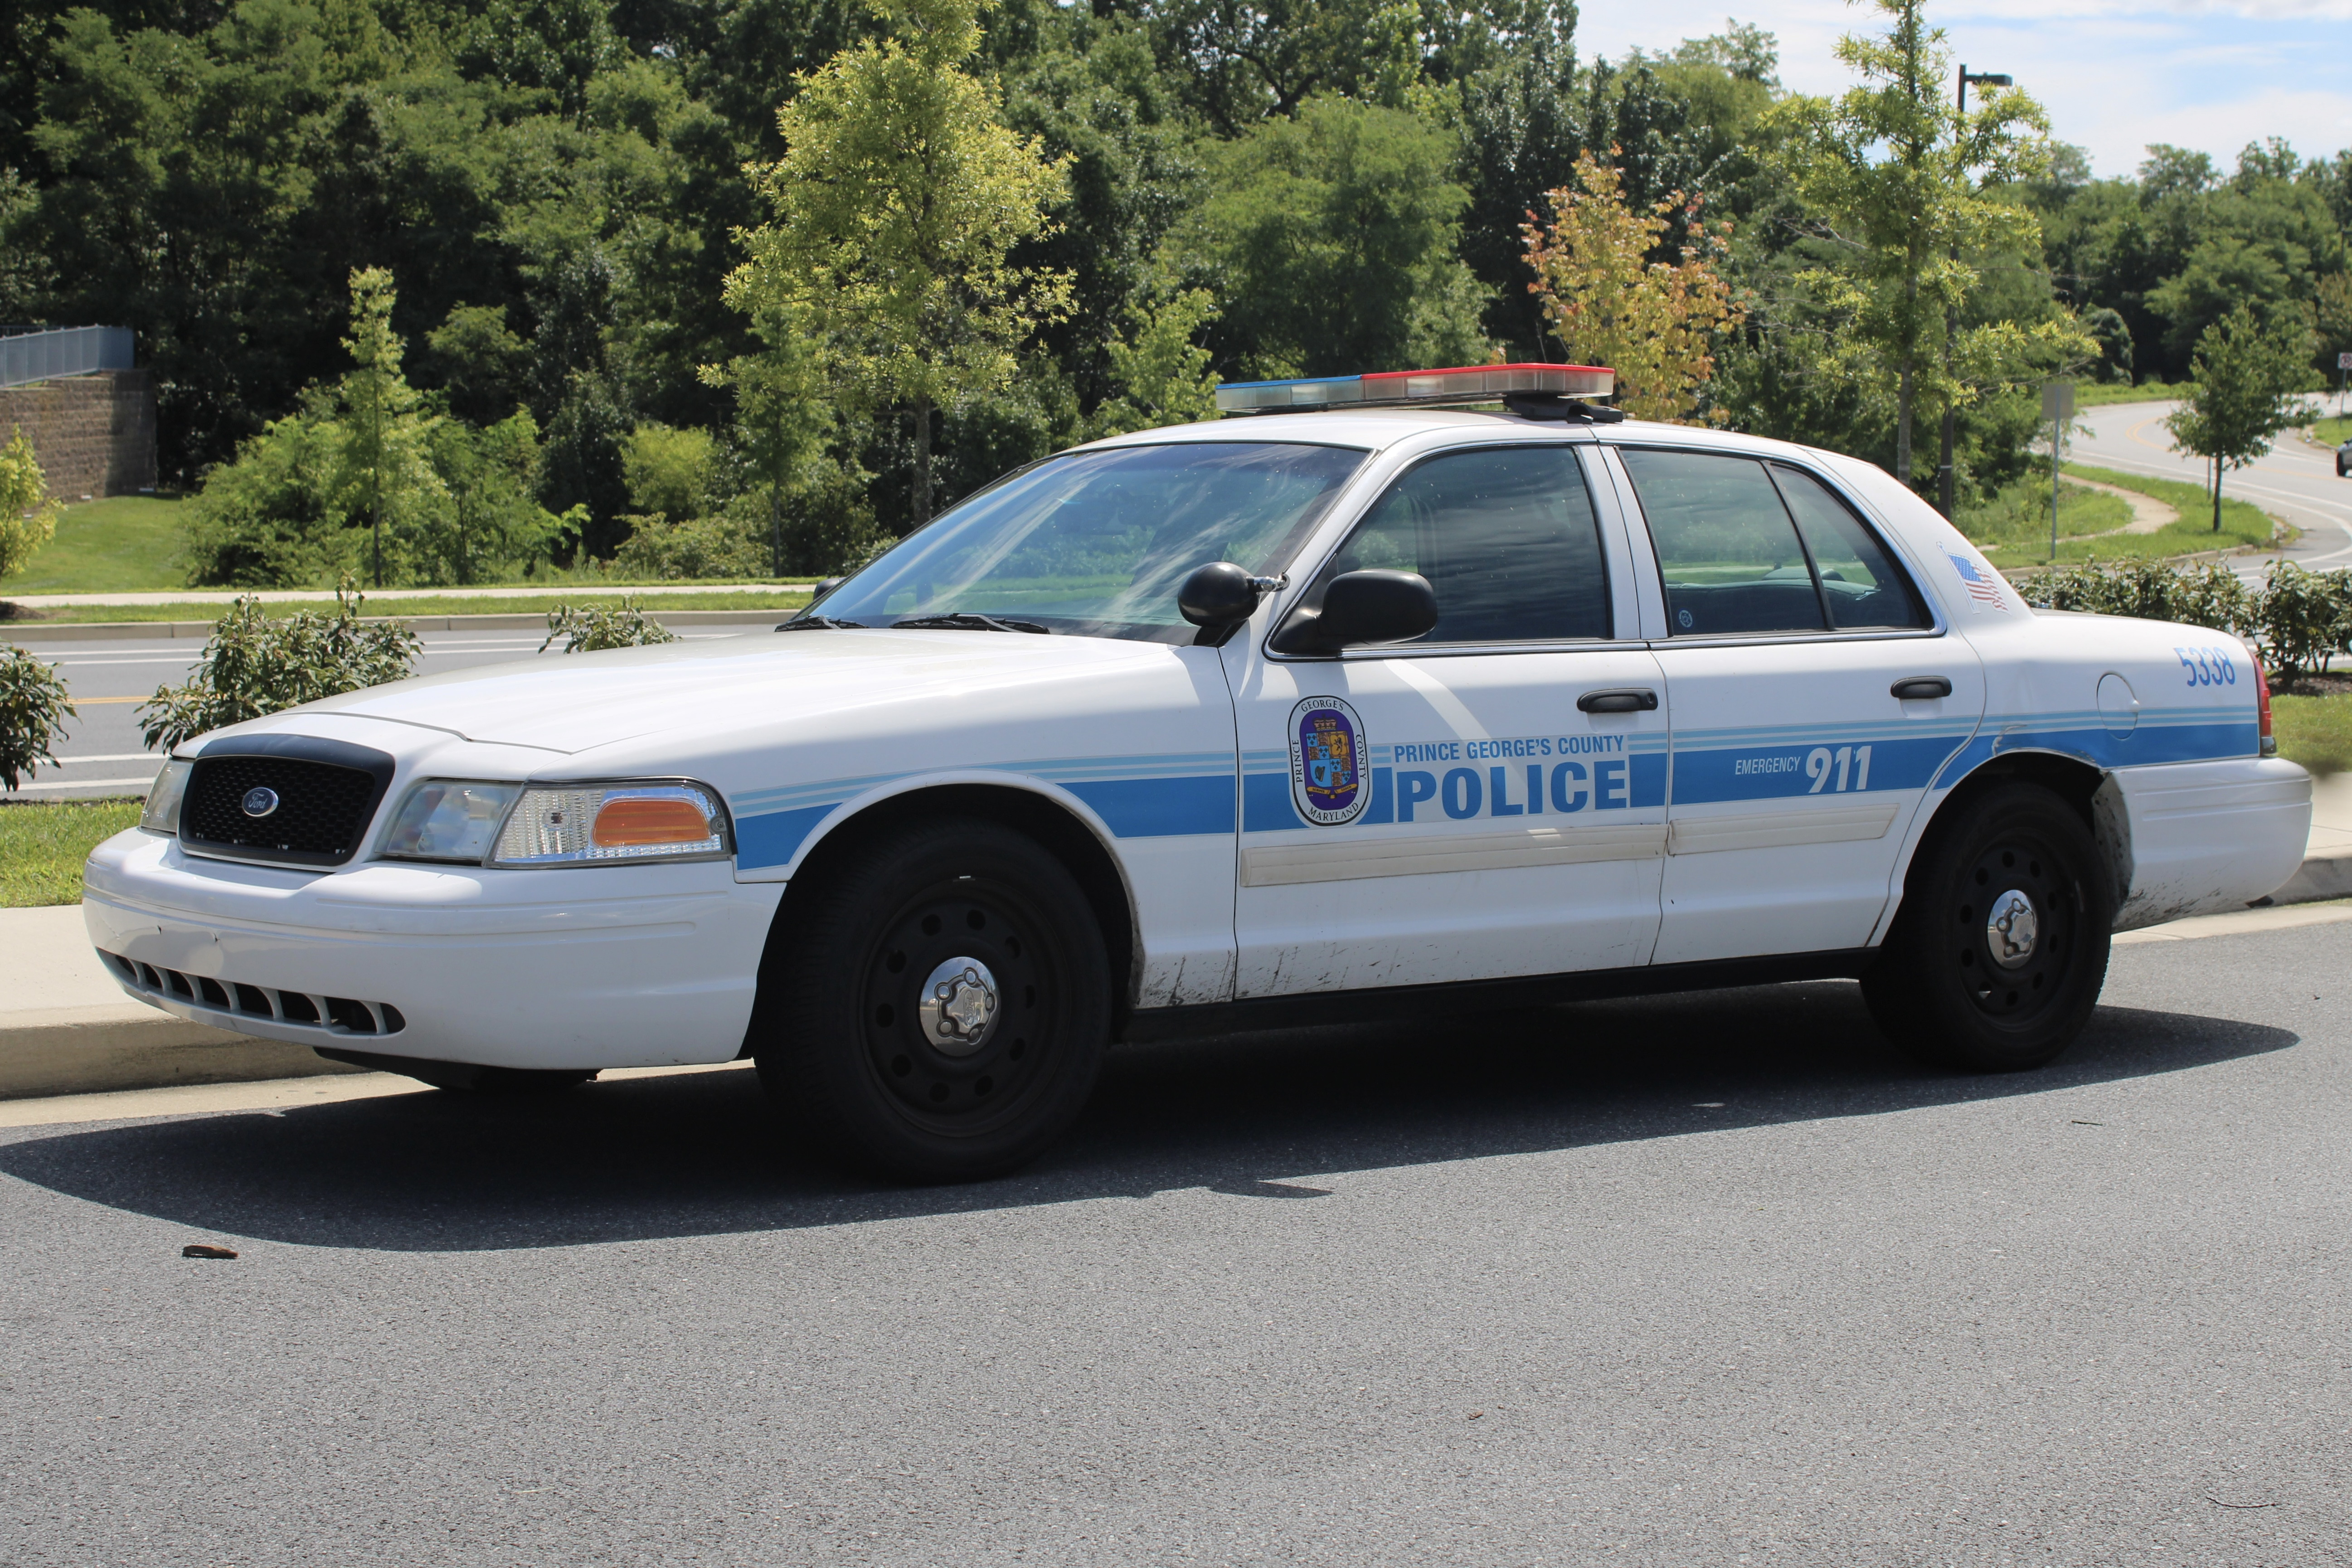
<point>1813,697</point>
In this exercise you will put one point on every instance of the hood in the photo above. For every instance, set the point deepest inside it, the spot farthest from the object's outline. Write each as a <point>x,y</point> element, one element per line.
<point>575,702</point>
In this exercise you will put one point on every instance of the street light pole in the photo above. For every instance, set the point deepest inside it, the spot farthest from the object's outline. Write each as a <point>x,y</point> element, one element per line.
<point>1944,499</point>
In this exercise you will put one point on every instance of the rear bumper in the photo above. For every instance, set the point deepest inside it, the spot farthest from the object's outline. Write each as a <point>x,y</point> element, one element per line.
<point>2207,837</point>
<point>620,966</point>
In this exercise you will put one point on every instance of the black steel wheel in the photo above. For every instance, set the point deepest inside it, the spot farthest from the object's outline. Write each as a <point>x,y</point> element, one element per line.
<point>2000,947</point>
<point>940,1005</point>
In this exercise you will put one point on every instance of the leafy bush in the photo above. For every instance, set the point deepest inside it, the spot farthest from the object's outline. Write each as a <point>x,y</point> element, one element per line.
<point>29,518</point>
<point>2299,620</point>
<point>33,706</point>
<point>252,665</point>
<point>588,628</point>
<point>270,519</point>
<point>727,545</point>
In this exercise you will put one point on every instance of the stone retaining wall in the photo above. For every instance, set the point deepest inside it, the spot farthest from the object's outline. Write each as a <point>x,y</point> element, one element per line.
<point>95,434</point>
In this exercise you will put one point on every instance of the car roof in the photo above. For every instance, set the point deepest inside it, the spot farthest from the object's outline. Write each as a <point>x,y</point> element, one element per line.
<point>1377,428</point>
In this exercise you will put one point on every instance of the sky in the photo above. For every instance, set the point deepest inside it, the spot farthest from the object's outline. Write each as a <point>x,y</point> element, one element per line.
<point>2115,75</point>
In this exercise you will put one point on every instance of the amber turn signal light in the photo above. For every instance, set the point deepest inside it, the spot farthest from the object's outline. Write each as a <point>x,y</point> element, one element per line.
<point>638,819</point>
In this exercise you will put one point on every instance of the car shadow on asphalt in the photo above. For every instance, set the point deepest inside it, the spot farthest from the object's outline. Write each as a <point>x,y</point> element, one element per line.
<point>700,1154</point>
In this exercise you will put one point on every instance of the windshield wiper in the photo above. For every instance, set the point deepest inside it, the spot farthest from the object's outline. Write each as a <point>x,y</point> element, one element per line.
<point>820,624</point>
<point>966,621</point>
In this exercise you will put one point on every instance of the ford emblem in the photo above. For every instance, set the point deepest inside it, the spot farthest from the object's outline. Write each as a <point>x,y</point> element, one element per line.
<point>260,801</point>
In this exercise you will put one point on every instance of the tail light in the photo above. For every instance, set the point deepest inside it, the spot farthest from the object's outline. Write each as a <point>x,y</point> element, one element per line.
<point>2262,706</point>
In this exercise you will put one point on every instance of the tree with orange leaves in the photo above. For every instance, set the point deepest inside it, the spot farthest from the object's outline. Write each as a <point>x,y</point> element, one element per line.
<point>1609,303</point>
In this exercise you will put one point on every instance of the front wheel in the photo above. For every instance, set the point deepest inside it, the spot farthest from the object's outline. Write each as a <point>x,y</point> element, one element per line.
<point>941,1005</point>
<point>1999,953</point>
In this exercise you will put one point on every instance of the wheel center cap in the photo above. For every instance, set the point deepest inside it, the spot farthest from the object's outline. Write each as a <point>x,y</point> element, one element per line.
<point>958,1007</point>
<point>2010,929</point>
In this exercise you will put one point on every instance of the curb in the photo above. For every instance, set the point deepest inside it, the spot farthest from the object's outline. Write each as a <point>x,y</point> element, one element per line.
<point>128,1045</point>
<point>125,631</point>
<point>89,1050</point>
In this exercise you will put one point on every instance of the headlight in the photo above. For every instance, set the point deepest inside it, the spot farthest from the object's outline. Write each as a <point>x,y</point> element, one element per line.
<point>162,812</point>
<point>448,819</point>
<point>561,824</point>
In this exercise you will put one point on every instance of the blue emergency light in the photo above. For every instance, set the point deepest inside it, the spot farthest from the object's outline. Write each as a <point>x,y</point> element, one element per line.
<point>1417,388</point>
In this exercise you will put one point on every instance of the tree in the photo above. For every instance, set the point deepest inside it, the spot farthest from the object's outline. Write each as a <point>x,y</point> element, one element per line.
<point>782,415</point>
<point>29,518</point>
<point>1654,323</point>
<point>1163,376</point>
<point>2245,376</point>
<point>1330,243</point>
<point>384,467</point>
<point>898,202</point>
<point>1901,183</point>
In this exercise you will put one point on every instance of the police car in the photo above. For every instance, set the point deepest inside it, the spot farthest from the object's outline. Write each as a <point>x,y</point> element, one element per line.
<point>1373,701</point>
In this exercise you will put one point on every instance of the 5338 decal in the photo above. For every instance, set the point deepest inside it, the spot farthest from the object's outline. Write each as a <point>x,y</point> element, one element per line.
<point>2208,665</point>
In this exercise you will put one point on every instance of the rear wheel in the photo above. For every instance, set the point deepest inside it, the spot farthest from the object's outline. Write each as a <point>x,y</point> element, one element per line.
<point>940,1006</point>
<point>1999,953</point>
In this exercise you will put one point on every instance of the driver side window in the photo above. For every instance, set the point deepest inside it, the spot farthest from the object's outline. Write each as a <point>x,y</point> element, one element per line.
<point>1506,538</point>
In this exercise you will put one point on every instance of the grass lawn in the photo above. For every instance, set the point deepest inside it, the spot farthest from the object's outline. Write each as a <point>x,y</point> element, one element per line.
<point>450,603</point>
<point>2098,393</point>
<point>43,844</point>
<point>123,544</point>
<point>2315,731</point>
<point>2242,525</point>
<point>2014,527</point>
<point>2331,432</point>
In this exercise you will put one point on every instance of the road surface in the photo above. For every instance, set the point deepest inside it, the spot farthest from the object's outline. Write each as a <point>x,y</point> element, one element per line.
<point>2293,480</point>
<point>1702,1281</point>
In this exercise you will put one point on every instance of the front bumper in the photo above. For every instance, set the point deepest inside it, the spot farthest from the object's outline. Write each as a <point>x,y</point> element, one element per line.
<point>646,965</point>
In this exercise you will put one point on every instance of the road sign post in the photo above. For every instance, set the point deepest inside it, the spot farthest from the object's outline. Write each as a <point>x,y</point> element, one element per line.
<point>2057,406</point>
<point>2343,368</point>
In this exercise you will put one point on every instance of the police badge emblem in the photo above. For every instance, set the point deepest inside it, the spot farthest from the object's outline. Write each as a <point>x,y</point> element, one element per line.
<point>1328,780</point>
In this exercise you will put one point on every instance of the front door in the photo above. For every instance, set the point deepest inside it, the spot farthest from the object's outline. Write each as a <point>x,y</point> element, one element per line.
<point>1812,700</point>
<point>1444,810</point>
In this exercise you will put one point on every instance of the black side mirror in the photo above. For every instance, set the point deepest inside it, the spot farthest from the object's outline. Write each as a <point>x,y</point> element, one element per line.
<point>1217,595</point>
<point>827,586</point>
<point>1363,607</point>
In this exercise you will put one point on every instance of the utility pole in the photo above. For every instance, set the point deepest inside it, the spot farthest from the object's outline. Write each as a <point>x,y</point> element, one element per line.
<point>1944,499</point>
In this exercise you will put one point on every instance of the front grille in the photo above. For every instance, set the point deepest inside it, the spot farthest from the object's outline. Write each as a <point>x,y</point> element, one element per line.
<point>328,1015</point>
<point>323,809</point>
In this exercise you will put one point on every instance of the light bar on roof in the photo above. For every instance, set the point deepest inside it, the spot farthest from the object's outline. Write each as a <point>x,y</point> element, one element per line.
<point>1417,388</point>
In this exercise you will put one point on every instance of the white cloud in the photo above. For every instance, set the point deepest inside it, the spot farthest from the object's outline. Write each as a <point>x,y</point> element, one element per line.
<point>2114,74</point>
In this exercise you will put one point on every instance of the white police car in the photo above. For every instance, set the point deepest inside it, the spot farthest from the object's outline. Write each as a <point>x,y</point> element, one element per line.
<point>1382,704</point>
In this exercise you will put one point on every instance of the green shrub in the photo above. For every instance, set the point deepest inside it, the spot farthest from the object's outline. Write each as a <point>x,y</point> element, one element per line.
<point>693,551</point>
<point>253,665</point>
<point>587,628</point>
<point>33,708</point>
<point>2299,620</point>
<point>29,516</point>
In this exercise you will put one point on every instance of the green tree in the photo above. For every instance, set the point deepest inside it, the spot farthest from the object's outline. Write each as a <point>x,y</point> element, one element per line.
<point>33,710</point>
<point>897,203</point>
<point>1905,189</point>
<point>2245,376</point>
<point>384,469</point>
<point>29,516</point>
<point>1330,243</point>
<point>1162,373</point>
<point>492,521</point>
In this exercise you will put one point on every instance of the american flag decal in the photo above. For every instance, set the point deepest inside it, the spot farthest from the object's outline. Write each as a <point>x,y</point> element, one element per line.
<point>1984,590</point>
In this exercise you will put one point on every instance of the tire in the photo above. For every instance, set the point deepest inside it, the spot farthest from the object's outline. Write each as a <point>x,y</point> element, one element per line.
<point>1009,1053</point>
<point>1939,989</point>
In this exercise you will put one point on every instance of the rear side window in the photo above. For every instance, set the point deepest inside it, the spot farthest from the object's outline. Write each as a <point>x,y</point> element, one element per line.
<point>1746,548</point>
<point>1506,536</point>
<point>1860,581</point>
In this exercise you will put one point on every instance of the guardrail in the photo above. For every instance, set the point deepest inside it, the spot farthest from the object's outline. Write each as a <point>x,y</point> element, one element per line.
<point>63,351</point>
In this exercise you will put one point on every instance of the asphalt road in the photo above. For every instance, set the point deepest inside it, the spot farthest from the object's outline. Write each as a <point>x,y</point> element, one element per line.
<point>2293,480</point>
<point>107,756</point>
<point>1702,1280</point>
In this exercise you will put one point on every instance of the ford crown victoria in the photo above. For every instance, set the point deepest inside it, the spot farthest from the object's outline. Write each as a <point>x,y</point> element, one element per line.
<point>1367,704</point>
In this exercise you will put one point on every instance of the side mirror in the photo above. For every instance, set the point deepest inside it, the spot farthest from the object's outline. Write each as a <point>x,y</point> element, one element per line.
<point>1363,607</point>
<point>1217,595</point>
<point>827,586</point>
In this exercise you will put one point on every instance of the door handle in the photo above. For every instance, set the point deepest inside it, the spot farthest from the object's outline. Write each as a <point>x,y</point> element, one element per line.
<point>1631,700</point>
<point>1919,688</point>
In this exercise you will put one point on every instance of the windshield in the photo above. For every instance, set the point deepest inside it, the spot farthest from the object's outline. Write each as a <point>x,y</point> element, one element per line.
<point>1097,542</point>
